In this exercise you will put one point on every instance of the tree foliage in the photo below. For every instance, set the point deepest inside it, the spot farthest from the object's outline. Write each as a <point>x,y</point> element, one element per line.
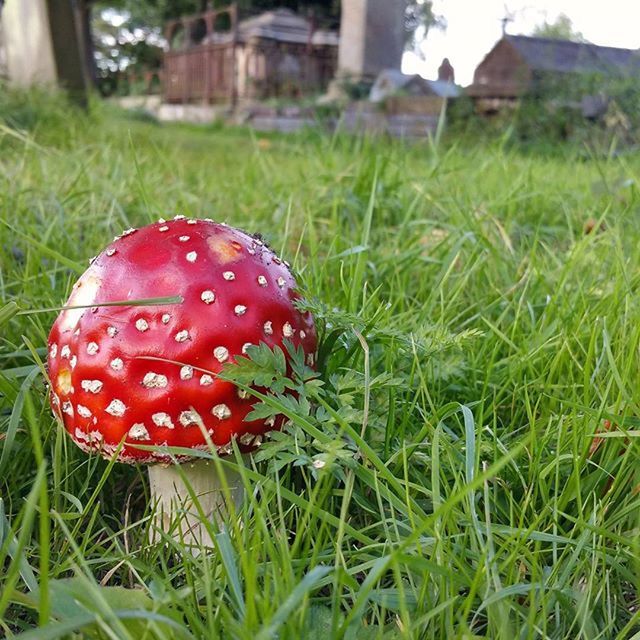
<point>560,29</point>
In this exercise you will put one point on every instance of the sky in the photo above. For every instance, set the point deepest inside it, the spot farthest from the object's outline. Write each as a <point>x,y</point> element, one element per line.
<point>474,26</point>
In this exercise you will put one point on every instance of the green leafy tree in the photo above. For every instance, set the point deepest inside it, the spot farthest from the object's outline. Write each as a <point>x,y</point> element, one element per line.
<point>560,29</point>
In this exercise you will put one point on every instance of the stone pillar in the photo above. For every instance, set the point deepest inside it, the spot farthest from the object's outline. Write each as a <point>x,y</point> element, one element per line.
<point>44,44</point>
<point>371,38</point>
<point>27,42</point>
<point>3,51</point>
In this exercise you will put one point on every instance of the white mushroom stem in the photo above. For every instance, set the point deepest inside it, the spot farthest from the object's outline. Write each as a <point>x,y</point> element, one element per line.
<point>173,488</point>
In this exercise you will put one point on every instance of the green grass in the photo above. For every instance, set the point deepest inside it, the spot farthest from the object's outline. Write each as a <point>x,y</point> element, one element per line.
<point>473,341</point>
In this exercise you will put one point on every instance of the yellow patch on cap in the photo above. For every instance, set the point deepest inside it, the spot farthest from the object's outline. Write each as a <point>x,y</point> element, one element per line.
<point>64,382</point>
<point>225,250</point>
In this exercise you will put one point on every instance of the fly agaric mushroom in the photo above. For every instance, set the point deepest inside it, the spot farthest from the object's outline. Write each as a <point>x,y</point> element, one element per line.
<point>126,375</point>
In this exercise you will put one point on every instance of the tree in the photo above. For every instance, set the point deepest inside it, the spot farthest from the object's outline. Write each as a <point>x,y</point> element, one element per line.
<point>560,29</point>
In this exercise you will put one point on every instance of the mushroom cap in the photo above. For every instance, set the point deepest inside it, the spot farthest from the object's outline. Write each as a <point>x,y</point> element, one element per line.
<point>235,291</point>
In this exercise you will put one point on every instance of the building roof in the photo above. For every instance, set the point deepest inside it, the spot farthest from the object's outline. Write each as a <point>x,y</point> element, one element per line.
<point>281,25</point>
<point>391,81</point>
<point>284,25</point>
<point>565,56</point>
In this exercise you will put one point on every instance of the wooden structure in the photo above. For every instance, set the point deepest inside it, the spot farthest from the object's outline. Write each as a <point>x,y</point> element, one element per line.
<point>214,57</point>
<point>520,65</point>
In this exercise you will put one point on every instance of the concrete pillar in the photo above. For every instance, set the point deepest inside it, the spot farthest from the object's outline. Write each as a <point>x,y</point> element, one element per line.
<point>27,42</point>
<point>3,51</point>
<point>371,38</point>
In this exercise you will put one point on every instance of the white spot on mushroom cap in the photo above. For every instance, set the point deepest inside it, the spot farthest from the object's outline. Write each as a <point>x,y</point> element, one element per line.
<point>229,275</point>
<point>92,437</point>
<point>83,411</point>
<point>53,350</point>
<point>162,419</point>
<point>181,336</point>
<point>221,354</point>
<point>303,335</point>
<point>179,217</point>
<point>207,296</point>
<point>221,411</point>
<point>127,232</point>
<point>206,380</point>
<point>281,282</point>
<point>251,251</point>
<point>65,352</point>
<point>142,325</point>
<point>116,408</point>
<point>269,422</point>
<point>246,438</point>
<point>192,256</point>
<point>186,372</point>
<point>112,332</point>
<point>73,361</point>
<point>268,327</point>
<point>242,394</point>
<point>240,309</point>
<point>262,281</point>
<point>163,228</point>
<point>161,220</point>
<point>67,408</point>
<point>154,380</point>
<point>184,238</point>
<point>91,386</point>
<point>192,222</point>
<point>139,432</point>
<point>165,318</point>
<point>93,348</point>
<point>116,364</point>
<point>245,347</point>
<point>111,251</point>
<point>189,418</point>
<point>287,330</point>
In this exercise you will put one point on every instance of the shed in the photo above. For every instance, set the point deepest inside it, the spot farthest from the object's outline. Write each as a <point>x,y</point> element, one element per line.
<point>518,65</point>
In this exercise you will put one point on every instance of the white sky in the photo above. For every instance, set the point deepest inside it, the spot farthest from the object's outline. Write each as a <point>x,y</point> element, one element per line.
<point>473,27</point>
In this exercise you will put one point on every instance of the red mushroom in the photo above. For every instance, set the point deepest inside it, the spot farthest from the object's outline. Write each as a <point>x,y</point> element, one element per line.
<point>127,375</point>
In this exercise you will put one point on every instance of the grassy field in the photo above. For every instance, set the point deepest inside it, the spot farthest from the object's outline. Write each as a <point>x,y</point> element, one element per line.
<point>474,339</point>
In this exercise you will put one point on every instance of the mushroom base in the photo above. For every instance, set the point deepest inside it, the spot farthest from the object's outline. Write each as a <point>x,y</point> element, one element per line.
<point>175,511</point>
